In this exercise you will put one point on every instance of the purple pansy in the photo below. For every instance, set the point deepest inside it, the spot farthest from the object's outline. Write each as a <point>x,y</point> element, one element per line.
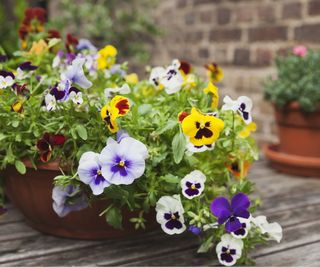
<point>229,214</point>
<point>90,172</point>
<point>67,199</point>
<point>170,214</point>
<point>193,184</point>
<point>27,66</point>
<point>75,74</point>
<point>194,229</point>
<point>124,161</point>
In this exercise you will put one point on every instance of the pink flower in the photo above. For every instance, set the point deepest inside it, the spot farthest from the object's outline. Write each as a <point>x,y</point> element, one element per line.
<point>300,50</point>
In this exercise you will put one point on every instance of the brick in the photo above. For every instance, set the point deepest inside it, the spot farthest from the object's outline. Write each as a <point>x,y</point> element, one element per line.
<point>292,11</point>
<point>268,33</point>
<point>206,16</point>
<point>244,14</point>
<point>203,52</point>
<point>221,35</point>
<point>181,3</point>
<point>309,33</point>
<point>266,13</point>
<point>263,57</point>
<point>241,57</point>
<point>189,18</point>
<point>223,16</point>
<point>314,7</point>
<point>193,36</point>
<point>220,55</point>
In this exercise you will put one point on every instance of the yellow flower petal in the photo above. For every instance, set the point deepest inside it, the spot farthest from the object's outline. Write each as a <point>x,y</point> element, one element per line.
<point>212,89</point>
<point>132,78</point>
<point>251,127</point>
<point>38,48</point>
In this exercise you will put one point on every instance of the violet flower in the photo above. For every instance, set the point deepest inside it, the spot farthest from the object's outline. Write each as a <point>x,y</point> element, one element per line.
<point>229,214</point>
<point>68,199</point>
<point>85,44</point>
<point>124,161</point>
<point>75,74</point>
<point>194,229</point>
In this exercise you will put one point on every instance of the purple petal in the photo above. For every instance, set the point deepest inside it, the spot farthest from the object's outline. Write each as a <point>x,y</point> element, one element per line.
<point>220,205</point>
<point>241,213</point>
<point>240,201</point>
<point>224,216</point>
<point>27,66</point>
<point>233,225</point>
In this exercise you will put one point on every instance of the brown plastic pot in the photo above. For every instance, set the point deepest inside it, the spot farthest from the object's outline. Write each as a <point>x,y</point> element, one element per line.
<point>299,132</point>
<point>292,164</point>
<point>31,194</point>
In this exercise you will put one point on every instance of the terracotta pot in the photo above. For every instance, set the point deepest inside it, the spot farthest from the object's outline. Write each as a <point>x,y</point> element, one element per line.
<point>299,132</point>
<point>292,164</point>
<point>31,194</point>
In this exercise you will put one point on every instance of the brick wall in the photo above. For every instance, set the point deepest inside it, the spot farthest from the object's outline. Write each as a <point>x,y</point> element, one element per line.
<point>243,36</point>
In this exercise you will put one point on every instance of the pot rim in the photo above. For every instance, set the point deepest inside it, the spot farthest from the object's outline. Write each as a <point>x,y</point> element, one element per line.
<point>50,166</point>
<point>294,105</point>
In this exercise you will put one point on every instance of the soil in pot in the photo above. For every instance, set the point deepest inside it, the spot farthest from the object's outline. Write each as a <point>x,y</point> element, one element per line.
<point>31,194</point>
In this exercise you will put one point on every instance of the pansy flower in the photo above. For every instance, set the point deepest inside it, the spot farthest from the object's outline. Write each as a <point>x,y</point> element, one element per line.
<point>194,229</point>
<point>213,90</point>
<point>243,231</point>
<point>229,250</point>
<point>185,67</point>
<point>251,127</point>
<point>90,172</point>
<point>172,80</point>
<point>170,214</point>
<point>21,90</point>
<point>75,74</point>
<point>71,43</point>
<point>46,144</point>
<point>118,107</point>
<point>68,199</point>
<point>229,214</point>
<point>243,105</point>
<point>6,79</point>
<point>215,73</point>
<point>156,76</point>
<point>201,129</point>
<point>75,95</point>
<point>50,102</point>
<point>17,106</point>
<point>273,230</point>
<point>239,168</point>
<point>198,149</point>
<point>106,57</point>
<point>85,44</point>
<point>123,90</point>
<point>189,79</point>
<point>25,70</point>
<point>38,48</point>
<point>124,161</point>
<point>193,184</point>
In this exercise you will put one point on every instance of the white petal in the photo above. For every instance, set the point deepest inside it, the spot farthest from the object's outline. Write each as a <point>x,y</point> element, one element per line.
<point>85,170</point>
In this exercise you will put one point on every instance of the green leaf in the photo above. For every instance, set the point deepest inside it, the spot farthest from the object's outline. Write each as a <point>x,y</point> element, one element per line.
<point>53,42</point>
<point>82,132</point>
<point>21,168</point>
<point>170,125</point>
<point>114,217</point>
<point>144,109</point>
<point>206,245</point>
<point>170,178</point>
<point>178,147</point>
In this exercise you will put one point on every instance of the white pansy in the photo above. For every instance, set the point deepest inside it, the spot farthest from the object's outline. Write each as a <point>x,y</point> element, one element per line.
<point>193,184</point>
<point>243,105</point>
<point>274,230</point>
<point>6,82</point>
<point>76,97</point>
<point>229,250</point>
<point>123,90</point>
<point>173,80</point>
<point>170,214</point>
<point>156,76</point>
<point>244,230</point>
<point>51,102</point>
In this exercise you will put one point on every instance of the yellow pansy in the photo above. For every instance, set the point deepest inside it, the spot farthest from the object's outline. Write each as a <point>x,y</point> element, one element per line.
<point>251,127</point>
<point>38,48</point>
<point>132,78</point>
<point>215,73</point>
<point>118,107</point>
<point>212,89</point>
<point>202,129</point>
<point>17,106</point>
<point>106,57</point>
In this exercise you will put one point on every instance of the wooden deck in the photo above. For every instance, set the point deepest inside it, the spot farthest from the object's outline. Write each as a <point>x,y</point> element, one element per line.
<point>294,202</point>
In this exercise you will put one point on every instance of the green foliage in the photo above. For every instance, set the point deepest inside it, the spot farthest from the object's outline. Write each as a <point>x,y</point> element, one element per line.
<point>298,79</point>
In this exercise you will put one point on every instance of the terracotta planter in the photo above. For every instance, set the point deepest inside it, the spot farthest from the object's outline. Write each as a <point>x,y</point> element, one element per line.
<point>31,194</point>
<point>298,152</point>
<point>299,132</point>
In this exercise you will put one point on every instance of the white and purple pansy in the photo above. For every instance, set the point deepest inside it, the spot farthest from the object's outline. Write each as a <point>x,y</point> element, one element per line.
<point>170,214</point>
<point>156,75</point>
<point>124,161</point>
<point>75,74</point>
<point>90,173</point>
<point>67,199</point>
<point>50,102</point>
<point>243,105</point>
<point>25,70</point>
<point>85,44</point>
<point>273,230</point>
<point>229,250</point>
<point>243,231</point>
<point>75,95</point>
<point>6,79</point>
<point>173,80</point>
<point>193,184</point>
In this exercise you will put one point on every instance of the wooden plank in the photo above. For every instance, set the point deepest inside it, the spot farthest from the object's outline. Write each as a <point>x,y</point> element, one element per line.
<point>12,231</point>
